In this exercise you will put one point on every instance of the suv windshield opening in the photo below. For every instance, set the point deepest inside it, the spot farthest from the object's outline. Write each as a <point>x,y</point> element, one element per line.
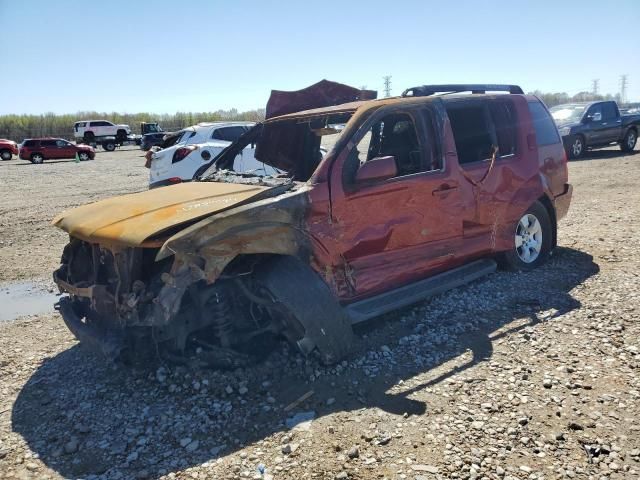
<point>293,147</point>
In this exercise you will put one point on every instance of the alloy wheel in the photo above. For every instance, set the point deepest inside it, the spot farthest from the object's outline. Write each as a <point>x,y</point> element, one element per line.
<point>528,238</point>
<point>576,148</point>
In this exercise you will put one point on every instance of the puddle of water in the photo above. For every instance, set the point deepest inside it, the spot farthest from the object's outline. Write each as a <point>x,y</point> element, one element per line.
<point>24,298</point>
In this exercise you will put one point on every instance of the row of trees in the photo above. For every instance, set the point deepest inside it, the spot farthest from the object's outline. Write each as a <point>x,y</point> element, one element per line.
<point>19,127</point>
<point>553,99</point>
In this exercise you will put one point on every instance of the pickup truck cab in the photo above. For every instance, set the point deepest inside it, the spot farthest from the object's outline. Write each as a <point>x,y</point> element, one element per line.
<point>590,125</point>
<point>414,195</point>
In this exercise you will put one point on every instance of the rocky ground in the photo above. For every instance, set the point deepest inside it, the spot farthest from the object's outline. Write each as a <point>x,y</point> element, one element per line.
<point>518,376</point>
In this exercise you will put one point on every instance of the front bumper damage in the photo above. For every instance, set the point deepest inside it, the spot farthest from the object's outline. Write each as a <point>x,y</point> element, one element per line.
<point>110,343</point>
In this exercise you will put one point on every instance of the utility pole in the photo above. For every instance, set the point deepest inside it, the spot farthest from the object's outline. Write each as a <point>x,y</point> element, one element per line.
<point>623,89</point>
<point>595,86</point>
<point>387,85</point>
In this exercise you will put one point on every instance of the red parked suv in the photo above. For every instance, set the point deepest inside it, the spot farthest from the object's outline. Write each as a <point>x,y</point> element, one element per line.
<point>414,195</point>
<point>38,150</point>
<point>8,148</point>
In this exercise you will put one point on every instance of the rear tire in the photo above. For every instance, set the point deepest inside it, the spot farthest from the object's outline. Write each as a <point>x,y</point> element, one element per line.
<point>37,158</point>
<point>576,148</point>
<point>629,141</point>
<point>6,155</point>
<point>533,240</point>
<point>88,137</point>
<point>121,135</point>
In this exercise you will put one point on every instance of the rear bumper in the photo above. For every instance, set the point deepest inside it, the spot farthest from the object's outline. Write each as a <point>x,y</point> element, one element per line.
<point>562,201</point>
<point>109,344</point>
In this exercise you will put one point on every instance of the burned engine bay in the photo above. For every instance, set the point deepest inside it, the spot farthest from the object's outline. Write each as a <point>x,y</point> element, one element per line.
<point>121,303</point>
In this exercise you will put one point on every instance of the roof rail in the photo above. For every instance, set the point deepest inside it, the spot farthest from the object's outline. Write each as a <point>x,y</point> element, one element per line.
<point>426,90</point>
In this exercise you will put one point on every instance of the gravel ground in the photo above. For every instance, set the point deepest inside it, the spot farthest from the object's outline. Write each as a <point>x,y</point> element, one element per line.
<point>518,376</point>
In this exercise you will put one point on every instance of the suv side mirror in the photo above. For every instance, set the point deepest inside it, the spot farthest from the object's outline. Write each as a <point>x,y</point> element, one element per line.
<point>379,168</point>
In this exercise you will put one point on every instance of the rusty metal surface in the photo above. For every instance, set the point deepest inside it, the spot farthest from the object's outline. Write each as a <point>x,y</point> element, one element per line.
<point>131,219</point>
<point>321,94</point>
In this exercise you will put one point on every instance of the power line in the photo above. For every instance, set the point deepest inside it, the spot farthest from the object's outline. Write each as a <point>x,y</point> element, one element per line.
<point>387,85</point>
<point>623,88</point>
<point>595,86</point>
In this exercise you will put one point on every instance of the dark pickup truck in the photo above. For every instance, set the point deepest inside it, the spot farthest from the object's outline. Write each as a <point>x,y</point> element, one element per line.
<point>595,124</point>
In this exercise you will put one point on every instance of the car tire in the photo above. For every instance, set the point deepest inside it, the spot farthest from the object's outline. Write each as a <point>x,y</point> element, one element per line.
<point>88,137</point>
<point>37,158</point>
<point>109,146</point>
<point>533,240</point>
<point>83,156</point>
<point>576,147</point>
<point>629,141</point>
<point>121,135</point>
<point>5,155</point>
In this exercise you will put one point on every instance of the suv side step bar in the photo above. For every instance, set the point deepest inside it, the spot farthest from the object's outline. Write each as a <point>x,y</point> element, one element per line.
<point>369,308</point>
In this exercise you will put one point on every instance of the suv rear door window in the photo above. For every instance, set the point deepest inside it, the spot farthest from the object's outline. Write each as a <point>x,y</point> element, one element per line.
<point>472,131</point>
<point>504,121</point>
<point>546,131</point>
<point>228,134</point>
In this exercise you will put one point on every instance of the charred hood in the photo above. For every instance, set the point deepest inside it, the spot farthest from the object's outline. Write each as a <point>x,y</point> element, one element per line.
<point>133,219</point>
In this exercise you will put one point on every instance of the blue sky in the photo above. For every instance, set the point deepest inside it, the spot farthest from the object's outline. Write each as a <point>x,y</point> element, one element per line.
<point>166,56</point>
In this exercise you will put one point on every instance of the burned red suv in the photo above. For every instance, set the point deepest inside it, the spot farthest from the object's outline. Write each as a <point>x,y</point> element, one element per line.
<point>37,150</point>
<point>415,195</point>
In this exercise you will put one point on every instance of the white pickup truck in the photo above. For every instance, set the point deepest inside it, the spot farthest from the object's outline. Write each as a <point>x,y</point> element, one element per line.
<point>91,130</point>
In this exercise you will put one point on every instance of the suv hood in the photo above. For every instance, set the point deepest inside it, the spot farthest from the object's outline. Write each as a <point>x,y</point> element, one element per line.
<point>133,219</point>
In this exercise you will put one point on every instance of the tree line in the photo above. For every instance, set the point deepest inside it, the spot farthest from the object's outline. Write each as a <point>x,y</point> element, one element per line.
<point>19,127</point>
<point>553,99</point>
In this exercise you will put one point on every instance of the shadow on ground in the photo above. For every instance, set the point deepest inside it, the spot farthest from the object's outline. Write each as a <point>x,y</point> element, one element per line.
<point>114,412</point>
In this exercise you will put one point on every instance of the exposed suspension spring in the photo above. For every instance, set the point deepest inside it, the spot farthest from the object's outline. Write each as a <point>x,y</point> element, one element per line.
<point>220,309</point>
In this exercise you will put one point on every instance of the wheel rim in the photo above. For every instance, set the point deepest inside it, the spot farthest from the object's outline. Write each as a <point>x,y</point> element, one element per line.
<point>528,238</point>
<point>6,156</point>
<point>631,140</point>
<point>577,147</point>
<point>84,156</point>
<point>37,159</point>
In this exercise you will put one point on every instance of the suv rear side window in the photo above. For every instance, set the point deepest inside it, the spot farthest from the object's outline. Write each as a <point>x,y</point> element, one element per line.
<point>47,143</point>
<point>546,131</point>
<point>30,143</point>
<point>504,120</point>
<point>228,134</point>
<point>472,131</point>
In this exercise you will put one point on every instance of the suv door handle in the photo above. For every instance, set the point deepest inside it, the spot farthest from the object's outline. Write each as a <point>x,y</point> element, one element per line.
<point>444,189</point>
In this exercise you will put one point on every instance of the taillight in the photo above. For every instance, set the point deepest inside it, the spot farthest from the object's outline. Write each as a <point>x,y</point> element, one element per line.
<point>182,153</point>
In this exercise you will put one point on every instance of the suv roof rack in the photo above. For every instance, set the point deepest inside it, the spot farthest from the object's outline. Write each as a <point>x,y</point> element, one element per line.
<point>427,90</point>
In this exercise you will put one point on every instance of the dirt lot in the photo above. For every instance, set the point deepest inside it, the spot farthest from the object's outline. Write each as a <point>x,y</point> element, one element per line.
<point>524,376</point>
